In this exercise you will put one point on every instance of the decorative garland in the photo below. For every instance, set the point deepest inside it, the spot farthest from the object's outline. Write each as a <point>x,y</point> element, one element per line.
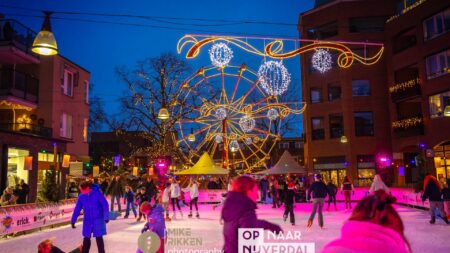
<point>407,123</point>
<point>404,86</point>
<point>409,8</point>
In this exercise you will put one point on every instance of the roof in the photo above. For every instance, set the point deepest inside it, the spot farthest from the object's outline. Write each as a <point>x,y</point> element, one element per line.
<point>286,165</point>
<point>204,166</point>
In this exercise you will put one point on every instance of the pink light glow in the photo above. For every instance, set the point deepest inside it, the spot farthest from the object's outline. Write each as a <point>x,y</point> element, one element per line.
<point>383,159</point>
<point>161,165</point>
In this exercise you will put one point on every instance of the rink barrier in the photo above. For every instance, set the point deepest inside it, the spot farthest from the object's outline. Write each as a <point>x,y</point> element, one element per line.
<point>18,218</point>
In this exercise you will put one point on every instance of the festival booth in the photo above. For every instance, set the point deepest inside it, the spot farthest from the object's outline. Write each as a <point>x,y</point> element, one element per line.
<point>286,165</point>
<point>205,167</point>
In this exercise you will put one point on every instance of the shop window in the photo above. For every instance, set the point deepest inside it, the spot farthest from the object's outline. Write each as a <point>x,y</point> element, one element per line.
<point>66,126</point>
<point>336,126</point>
<point>436,25</point>
<point>438,64</point>
<point>316,95</point>
<point>318,132</point>
<point>16,166</point>
<point>360,88</point>
<point>46,157</point>
<point>366,24</point>
<point>363,123</point>
<point>440,105</point>
<point>334,93</point>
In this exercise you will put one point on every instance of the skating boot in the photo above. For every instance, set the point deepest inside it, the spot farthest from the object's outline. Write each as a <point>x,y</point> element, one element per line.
<point>198,215</point>
<point>190,215</point>
<point>433,220</point>
<point>446,220</point>
<point>328,208</point>
<point>310,222</point>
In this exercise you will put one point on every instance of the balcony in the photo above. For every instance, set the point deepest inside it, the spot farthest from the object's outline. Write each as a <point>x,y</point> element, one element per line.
<point>19,85</point>
<point>28,129</point>
<point>405,6</point>
<point>405,90</point>
<point>15,43</point>
<point>408,127</point>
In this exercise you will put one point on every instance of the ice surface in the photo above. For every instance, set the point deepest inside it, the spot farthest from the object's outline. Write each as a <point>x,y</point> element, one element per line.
<point>123,233</point>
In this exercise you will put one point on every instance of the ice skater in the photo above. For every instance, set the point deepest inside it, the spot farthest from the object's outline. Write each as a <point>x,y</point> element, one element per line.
<point>47,246</point>
<point>96,215</point>
<point>432,190</point>
<point>155,222</point>
<point>165,198</point>
<point>347,189</point>
<point>378,184</point>
<point>289,203</point>
<point>224,195</point>
<point>446,196</point>
<point>319,191</point>
<point>141,197</point>
<point>332,191</point>
<point>129,197</point>
<point>175,193</point>
<point>193,194</point>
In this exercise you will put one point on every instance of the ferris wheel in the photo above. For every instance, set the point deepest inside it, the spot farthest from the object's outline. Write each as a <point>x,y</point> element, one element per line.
<point>227,112</point>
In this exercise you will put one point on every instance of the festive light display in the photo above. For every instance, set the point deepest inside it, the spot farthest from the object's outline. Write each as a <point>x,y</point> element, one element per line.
<point>247,123</point>
<point>272,114</point>
<point>220,54</point>
<point>407,123</point>
<point>218,138</point>
<point>276,47</point>
<point>321,60</point>
<point>234,146</point>
<point>406,9</point>
<point>404,86</point>
<point>220,113</point>
<point>248,141</point>
<point>274,78</point>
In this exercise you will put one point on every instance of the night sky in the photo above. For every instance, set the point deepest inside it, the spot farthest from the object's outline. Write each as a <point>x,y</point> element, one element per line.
<point>101,47</point>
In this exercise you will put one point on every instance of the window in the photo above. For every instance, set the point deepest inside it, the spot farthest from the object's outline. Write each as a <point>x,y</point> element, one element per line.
<point>436,25</point>
<point>298,145</point>
<point>66,126</point>
<point>324,31</point>
<point>336,126</point>
<point>283,145</point>
<point>363,123</point>
<point>360,88</point>
<point>46,157</point>
<point>334,93</point>
<point>85,129</point>
<point>440,105</point>
<point>69,79</point>
<point>18,165</point>
<point>86,92</point>
<point>318,132</point>
<point>316,95</point>
<point>404,40</point>
<point>366,24</point>
<point>438,64</point>
<point>366,169</point>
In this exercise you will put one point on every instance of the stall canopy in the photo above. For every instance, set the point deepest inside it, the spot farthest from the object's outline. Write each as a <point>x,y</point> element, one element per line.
<point>286,165</point>
<point>204,166</point>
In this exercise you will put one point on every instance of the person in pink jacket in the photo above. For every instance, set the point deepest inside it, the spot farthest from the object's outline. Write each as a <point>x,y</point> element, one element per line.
<point>374,226</point>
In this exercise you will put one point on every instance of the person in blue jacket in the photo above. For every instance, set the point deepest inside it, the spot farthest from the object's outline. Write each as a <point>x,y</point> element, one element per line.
<point>96,215</point>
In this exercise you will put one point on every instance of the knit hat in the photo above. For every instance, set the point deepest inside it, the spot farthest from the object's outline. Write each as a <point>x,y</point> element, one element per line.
<point>146,207</point>
<point>291,186</point>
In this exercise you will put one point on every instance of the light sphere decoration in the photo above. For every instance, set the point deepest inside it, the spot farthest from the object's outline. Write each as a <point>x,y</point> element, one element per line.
<point>248,141</point>
<point>272,114</point>
<point>234,146</point>
<point>321,60</point>
<point>220,54</point>
<point>218,138</point>
<point>247,123</point>
<point>220,113</point>
<point>274,78</point>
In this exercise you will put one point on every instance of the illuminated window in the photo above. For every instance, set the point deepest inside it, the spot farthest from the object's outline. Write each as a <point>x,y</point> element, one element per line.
<point>66,126</point>
<point>45,157</point>
<point>438,103</point>
<point>438,64</point>
<point>436,25</point>
<point>360,88</point>
<point>85,130</point>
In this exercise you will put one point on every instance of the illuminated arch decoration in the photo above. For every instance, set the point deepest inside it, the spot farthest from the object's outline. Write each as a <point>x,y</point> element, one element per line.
<point>275,48</point>
<point>213,103</point>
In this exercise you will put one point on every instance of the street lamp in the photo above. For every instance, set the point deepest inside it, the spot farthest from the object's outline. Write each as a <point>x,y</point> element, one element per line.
<point>344,139</point>
<point>163,114</point>
<point>191,137</point>
<point>45,43</point>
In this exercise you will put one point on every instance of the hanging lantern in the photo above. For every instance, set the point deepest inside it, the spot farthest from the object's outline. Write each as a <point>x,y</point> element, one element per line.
<point>274,78</point>
<point>218,138</point>
<point>191,136</point>
<point>220,54</point>
<point>234,146</point>
<point>45,43</point>
<point>220,113</point>
<point>447,111</point>
<point>163,114</point>
<point>344,139</point>
<point>321,60</point>
<point>247,123</point>
<point>272,114</point>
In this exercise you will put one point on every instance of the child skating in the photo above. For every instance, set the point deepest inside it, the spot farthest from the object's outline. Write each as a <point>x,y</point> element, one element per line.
<point>193,194</point>
<point>129,197</point>
<point>155,222</point>
<point>289,204</point>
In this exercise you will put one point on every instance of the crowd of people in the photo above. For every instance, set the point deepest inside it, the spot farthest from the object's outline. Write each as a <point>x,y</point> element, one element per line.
<point>17,194</point>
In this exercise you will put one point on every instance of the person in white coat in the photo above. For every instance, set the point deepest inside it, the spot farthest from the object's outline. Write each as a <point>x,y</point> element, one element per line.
<point>193,194</point>
<point>175,193</point>
<point>378,184</point>
<point>165,199</point>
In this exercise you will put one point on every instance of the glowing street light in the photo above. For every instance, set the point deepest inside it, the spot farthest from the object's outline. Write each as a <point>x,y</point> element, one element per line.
<point>45,43</point>
<point>344,139</point>
<point>163,114</point>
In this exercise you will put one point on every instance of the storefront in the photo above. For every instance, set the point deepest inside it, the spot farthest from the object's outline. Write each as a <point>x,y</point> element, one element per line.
<point>18,165</point>
<point>442,162</point>
<point>366,169</point>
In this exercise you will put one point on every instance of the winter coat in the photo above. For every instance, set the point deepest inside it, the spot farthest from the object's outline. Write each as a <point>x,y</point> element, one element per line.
<point>239,212</point>
<point>378,184</point>
<point>432,191</point>
<point>446,193</point>
<point>289,197</point>
<point>22,193</point>
<point>115,188</point>
<point>150,189</point>
<point>347,186</point>
<point>318,189</point>
<point>332,189</point>
<point>96,212</point>
<point>166,195</point>
<point>129,196</point>
<point>366,237</point>
<point>156,222</point>
<point>193,191</point>
<point>264,185</point>
<point>141,198</point>
<point>104,186</point>
<point>175,190</point>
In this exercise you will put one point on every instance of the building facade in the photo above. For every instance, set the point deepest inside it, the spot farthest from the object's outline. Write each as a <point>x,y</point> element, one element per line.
<point>44,110</point>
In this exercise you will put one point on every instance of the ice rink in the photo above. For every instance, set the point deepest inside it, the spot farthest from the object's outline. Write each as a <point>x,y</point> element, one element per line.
<point>123,233</point>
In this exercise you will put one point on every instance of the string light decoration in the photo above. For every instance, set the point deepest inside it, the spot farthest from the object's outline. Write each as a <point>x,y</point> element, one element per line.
<point>234,145</point>
<point>218,138</point>
<point>247,123</point>
<point>321,60</point>
<point>272,114</point>
<point>404,85</point>
<point>248,141</point>
<point>407,123</point>
<point>220,113</point>
<point>274,78</point>
<point>220,54</point>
